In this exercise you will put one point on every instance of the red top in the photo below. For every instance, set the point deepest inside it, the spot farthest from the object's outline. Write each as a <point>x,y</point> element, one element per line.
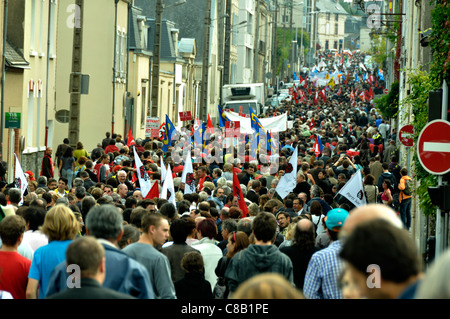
<point>14,274</point>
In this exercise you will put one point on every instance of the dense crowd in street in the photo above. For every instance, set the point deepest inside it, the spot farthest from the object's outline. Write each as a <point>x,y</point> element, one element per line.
<point>234,234</point>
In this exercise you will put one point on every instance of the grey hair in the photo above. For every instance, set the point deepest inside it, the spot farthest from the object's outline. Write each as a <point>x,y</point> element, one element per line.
<point>78,182</point>
<point>104,221</point>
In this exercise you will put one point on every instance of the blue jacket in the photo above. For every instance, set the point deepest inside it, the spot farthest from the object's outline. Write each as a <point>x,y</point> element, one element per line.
<point>123,274</point>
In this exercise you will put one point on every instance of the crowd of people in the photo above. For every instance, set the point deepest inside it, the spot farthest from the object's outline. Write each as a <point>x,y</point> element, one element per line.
<point>85,213</point>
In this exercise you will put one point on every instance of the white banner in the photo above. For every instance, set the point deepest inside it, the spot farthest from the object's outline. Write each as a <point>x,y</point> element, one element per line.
<point>187,177</point>
<point>168,190</point>
<point>288,181</point>
<point>20,181</point>
<point>273,124</point>
<point>353,190</point>
<point>144,180</point>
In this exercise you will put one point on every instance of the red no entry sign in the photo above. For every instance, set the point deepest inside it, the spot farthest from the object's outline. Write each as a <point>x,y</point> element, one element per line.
<point>433,147</point>
<point>406,135</point>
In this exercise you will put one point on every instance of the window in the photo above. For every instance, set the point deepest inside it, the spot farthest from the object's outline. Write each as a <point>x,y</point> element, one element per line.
<point>33,28</point>
<point>248,59</point>
<point>41,30</point>
<point>62,116</point>
<point>123,48</point>
<point>336,17</point>
<point>336,29</point>
<point>52,51</point>
<point>235,30</point>
<point>335,46</point>
<point>327,46</point>
<point>328,16</point>
<point>143,105</point>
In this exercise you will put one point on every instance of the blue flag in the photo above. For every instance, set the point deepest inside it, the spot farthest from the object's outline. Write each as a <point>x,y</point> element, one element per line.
<point>356,78</point>
<point>198,134</point>
<point>169,130</point>
<point>222,117</point>
<point>257,126</point>
<point>295,76</point>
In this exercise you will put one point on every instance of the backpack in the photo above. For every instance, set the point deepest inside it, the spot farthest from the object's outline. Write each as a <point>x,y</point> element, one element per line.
<point>407,190</point>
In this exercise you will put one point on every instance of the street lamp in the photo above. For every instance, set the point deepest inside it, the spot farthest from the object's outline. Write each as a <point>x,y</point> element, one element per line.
<point>157,52</point>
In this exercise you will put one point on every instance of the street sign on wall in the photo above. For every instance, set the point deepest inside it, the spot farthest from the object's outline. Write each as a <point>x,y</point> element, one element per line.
<point>12,120</point>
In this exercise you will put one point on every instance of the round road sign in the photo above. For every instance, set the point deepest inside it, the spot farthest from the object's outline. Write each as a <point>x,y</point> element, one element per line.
<point>433,147</point>
<point>406,135</point>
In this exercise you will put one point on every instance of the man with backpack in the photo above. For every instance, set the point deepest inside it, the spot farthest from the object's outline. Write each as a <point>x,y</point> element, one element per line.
<point>405,198</point>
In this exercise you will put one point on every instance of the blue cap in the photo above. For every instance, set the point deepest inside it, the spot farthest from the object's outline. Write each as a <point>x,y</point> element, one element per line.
<point>335,219</point>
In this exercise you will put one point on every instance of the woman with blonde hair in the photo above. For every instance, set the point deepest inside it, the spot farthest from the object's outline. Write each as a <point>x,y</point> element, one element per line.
<point>61,227</point>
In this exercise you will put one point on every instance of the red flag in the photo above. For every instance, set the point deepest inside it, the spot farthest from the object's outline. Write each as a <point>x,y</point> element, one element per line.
<point>340,127</point>
<point>237,191</point>
<point>153,192</point>
<point>316,97</point>
<point>130,140</point>
<point>361,96</point>
<point>210,125</point>
<point>371,93</point>
<point>311,124</point>
<point>324,95</point>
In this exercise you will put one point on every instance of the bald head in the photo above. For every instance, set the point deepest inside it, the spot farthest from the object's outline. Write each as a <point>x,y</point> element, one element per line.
<point>370,212</point>
<point>304,224</point>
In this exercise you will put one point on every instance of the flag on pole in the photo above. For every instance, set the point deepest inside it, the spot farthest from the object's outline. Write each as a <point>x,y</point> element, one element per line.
<point>20,181</point>
<point>318,146</point>
<point>222,117</point>
<point>168,190</point>
<point>154,191</point>
<point>210,125</point>
<point>187,176</point>
<point>163,169</point>
<point>257,127</point>
<point>169,130</point>
<point>237,192</point>
<point>130,140</point>
<point>144,179</point>
<point>311,124</point>
<point>353,190</point>
<point>316,97</point>
<point>288,181</point>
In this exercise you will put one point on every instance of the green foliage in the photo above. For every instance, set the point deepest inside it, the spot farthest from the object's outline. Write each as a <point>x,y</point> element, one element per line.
<point>388,104</point>
<point>440,41</point>
<point>421,84</point>
<point>284,53</point>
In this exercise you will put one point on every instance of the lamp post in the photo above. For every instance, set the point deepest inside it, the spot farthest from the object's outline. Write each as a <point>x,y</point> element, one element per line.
<point>157,53</point>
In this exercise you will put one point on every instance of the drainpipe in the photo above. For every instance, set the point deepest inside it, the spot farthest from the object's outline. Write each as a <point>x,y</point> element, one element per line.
<point>5,24</point>
<point>114,68</point>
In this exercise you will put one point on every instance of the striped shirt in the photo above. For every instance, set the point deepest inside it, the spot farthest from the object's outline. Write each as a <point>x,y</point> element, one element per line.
<point>322,275</point>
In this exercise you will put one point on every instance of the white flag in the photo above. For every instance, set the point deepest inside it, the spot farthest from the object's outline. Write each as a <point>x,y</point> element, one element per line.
<point>141,172</point>
<point>353,190</point>
<point>20,181</point>
<point>187,177</point>
<point>168,190</point>
<point>288,181</point>
<point>163,170</point>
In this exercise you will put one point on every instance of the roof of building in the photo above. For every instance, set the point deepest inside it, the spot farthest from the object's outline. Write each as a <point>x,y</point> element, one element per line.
<point>330,6</point>
<point>14,58</point>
